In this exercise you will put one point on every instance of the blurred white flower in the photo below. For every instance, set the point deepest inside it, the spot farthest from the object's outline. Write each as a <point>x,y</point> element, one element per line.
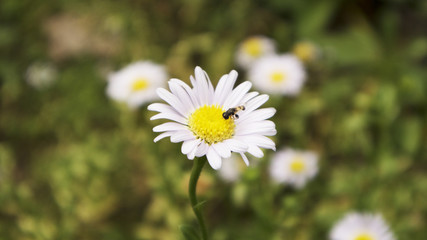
<point>231,169</point>
<point>306,51</point>
<point>41,75</point>
<point>293,167</point>
<point>278,74</point>
<point>358,226</point>
<point>199,121</point>
<point>254,48</point>
<point>136,84</point>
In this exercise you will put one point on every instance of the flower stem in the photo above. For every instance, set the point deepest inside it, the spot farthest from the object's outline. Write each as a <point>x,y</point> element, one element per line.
<point>195,173</point>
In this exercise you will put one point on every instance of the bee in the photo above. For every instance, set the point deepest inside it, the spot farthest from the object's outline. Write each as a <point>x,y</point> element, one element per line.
<point>232,112</point>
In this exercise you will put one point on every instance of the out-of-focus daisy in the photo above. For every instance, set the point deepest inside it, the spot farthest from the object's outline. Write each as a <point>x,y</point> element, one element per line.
<point>231,169</point>
<point>358,226</point>
<point>293,167</point>
<point>254,48</point>
<point>198,120</point>
<point>306,51</point>
<point>41,75</point>
<point>136,84</point>
<point>279,74</point>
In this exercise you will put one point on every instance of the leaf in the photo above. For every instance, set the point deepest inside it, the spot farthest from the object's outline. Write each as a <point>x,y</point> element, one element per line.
<point>200,204</point>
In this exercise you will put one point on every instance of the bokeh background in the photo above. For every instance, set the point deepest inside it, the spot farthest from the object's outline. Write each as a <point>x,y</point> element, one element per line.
<point>76,165</point>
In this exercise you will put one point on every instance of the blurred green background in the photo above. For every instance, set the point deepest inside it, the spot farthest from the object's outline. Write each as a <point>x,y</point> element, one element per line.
<point>76,165</point>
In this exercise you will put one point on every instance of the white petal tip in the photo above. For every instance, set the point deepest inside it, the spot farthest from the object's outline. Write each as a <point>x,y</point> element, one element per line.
<point>214,159</point>
<point>150,107</point>
<point>216,167</point>
<point>158,138</point>
<point>245,159</point>
<point>159,91</point>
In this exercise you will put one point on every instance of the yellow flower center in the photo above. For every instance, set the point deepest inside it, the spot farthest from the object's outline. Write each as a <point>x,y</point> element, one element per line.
<point>208,124</point>
<point>304,51</point>
<point>140,84</point>
<point>297,165</point>
<point>253,47</point>
<point>277,77</point>
<point>364,236</point>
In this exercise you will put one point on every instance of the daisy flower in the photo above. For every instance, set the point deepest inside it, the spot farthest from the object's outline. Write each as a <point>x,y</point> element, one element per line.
<point>198,119</point>
<point>306,51</point>
<point>136,83</point>
<point>357,226</point>
<point>293,167</point>
<point>254,48</point>
<point>279,74</point>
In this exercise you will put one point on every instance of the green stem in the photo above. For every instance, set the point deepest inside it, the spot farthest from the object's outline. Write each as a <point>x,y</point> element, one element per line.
<point>195,173</point>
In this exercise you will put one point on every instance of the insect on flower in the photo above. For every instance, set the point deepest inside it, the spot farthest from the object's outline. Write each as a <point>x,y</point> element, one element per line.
<point>232,112</point>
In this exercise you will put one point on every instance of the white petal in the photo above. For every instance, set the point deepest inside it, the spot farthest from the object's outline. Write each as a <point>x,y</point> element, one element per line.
<point>189,146</point>
<point>163,135</point>
<point>255,151</point>
<point>269,132</point>
<point>180,136</point>
<point>202,149</point>
<point>213,158</point>
<point>210,88</point>
<point>236,96</point>
<point>222,149</point>
<point>257,115</point>
<point>256,103</point>
<point>247,127</point>
<point>249,96</point>
<point>169,126</point>
<point>189,91</point>
<point>172,100</point>
<point>193,82</point>
<point>220,89</point>
<point>228,86</point>
<point>245,159</point>
<point>161,107</point>
<point>202,87</point>
<point>260,141</point>
<point>183,96</point>
<point>261,131</point>
<point>170,116</point>
<point>236,145</point>
<point>192,153</point>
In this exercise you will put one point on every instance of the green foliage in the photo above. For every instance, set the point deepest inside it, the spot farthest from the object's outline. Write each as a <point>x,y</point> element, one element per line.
<point>76,165</point>
<point>189,233</point>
